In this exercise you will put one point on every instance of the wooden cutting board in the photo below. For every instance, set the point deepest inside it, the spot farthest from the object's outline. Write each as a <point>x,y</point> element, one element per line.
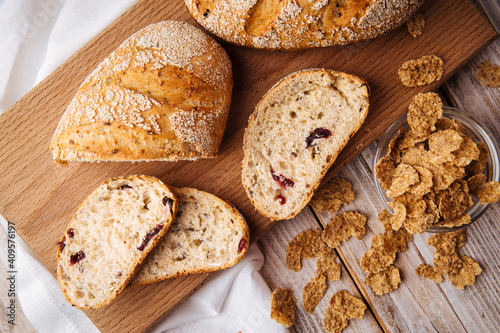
<point>40,198</point>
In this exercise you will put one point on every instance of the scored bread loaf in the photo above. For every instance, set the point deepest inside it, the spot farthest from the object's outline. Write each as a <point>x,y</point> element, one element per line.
<point>295,134</point>
<point>163,94</point>
<point>208,234</point>
<point>300,24</point>
<point>109,236</point>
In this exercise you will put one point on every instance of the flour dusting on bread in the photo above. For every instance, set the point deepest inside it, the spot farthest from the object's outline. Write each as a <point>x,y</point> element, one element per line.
<point>167,43</point>
<point>291,24</point>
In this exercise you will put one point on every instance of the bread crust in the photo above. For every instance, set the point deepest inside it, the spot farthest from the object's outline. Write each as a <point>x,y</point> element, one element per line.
<point>247,140</point>
<point>238,218</point>
<point>139,260</point>
<point>294,24</point>
<point>163,94</point>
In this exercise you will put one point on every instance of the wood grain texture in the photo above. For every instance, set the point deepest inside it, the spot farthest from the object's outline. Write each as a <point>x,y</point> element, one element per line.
<point>491,9</point>
<point>41,198</point>
<point>274,245</point>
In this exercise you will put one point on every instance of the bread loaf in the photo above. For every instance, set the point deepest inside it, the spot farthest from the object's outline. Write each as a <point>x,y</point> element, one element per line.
<point>208,234</point>
<point>163,94</point>
<point>110,235</point>
<point>295,134</point>
<point>300,24</point>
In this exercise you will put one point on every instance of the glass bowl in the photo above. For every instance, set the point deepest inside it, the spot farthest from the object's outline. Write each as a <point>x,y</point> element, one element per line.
<point>477,131</point>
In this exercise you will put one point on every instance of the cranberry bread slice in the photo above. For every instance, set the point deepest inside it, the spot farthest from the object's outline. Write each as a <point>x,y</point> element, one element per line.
<point>295,134</point>
<point>109,237</point>
<point>208,234</point>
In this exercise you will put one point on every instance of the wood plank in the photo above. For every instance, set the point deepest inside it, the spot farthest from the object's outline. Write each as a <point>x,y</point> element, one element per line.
<point>41,198</point>
<point>478,307</point>
<point>275,272</point>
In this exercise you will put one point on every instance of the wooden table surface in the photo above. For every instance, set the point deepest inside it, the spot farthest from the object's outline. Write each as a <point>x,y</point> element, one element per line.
<point>418,305</point>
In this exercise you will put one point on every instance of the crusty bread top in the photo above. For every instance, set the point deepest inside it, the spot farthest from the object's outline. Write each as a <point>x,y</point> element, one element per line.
<point>168,43</point>
<point>208,234</point>
<point>111,233</point>
<point>299,24</point>
<point>163,94</point>
<point>285,152</point>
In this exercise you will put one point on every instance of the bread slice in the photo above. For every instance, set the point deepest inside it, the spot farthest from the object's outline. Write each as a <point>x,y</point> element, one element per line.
<point>208,234</point>
<point>295,134</point>
<point>110,235</point>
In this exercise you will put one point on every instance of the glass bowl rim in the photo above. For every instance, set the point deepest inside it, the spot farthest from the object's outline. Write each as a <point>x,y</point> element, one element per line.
<point>470,122</point>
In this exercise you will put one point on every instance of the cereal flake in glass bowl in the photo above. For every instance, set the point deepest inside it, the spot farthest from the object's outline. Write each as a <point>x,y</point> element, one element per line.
<point>475,130</point>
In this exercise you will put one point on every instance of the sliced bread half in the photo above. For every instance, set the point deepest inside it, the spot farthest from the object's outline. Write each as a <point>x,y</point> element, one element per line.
<point>208,234</point>
<point>295,134</point>
<point>110,235</point>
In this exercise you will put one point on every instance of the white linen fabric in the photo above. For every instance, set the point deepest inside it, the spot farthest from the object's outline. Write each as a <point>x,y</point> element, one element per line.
<point>36,36</point>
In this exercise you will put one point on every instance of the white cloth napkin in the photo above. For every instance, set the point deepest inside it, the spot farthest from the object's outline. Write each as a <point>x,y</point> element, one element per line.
<point>36,36</point>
